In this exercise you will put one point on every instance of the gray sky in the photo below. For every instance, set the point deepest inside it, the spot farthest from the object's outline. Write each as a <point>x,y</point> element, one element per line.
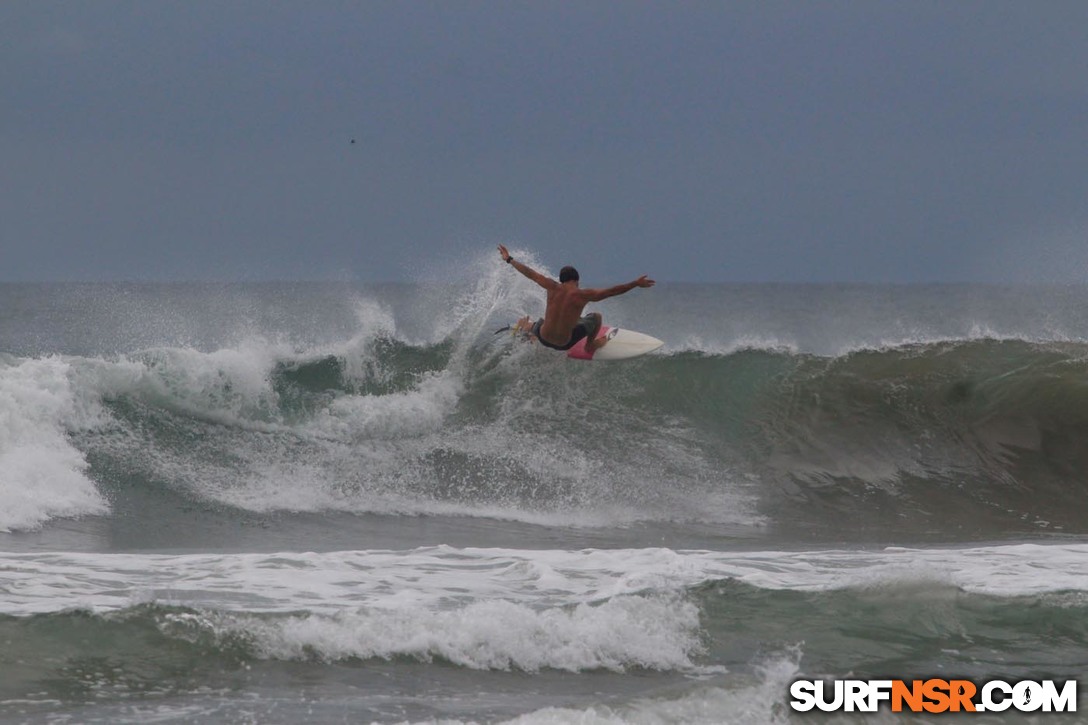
<point>730,141</point>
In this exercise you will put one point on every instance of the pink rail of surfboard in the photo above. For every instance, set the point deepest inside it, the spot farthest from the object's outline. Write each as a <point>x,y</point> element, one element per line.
<point>579,352</point>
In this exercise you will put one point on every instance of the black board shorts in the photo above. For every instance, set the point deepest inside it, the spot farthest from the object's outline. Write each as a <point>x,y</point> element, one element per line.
<point>581,330</point>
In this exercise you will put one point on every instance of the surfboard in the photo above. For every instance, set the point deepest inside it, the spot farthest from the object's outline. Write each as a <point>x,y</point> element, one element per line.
<point>622,344</point>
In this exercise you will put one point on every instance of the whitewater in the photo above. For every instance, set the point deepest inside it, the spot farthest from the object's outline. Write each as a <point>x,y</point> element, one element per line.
<point>336,502</point>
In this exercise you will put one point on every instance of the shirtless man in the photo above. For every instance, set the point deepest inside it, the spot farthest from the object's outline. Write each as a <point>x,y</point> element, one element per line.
<point>563,324</point>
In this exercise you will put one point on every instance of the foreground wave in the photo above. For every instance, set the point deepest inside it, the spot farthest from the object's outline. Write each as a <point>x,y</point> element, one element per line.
<point>152,624</point>
<point>975,437</point>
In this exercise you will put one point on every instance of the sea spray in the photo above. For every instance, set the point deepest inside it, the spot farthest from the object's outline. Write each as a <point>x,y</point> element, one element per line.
<point>42,475</point>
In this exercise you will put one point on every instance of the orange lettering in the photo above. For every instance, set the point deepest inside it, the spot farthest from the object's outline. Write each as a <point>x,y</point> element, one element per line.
<point>936,691</point>
<point>912,696</point>
<point>961,692</point>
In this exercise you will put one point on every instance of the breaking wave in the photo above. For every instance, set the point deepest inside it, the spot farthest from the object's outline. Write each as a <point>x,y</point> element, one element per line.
<point>954,438</point>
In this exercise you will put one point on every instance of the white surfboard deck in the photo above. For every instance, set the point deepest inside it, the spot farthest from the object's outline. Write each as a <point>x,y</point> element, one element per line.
<point>622,344</point>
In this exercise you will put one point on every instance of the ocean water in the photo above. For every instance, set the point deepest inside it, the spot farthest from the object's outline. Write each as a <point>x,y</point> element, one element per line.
<point>325,502</point>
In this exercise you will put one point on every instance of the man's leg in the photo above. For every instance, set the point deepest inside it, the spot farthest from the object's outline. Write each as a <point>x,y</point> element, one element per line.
<point>594,340</point>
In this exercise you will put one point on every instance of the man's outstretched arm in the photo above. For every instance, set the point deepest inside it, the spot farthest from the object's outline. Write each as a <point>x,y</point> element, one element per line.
<point>545,282</point>
<point>596,295</point>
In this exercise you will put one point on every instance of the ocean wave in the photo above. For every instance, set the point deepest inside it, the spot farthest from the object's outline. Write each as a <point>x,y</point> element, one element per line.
<point>42,475</point>
<point>650,632</point>
<point>753,698</point>
<point>413,430</point>
<point>691,612</point>
<point>445,578</point>
<point>964,435</point>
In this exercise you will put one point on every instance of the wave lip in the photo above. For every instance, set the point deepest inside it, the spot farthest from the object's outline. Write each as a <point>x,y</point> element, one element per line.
<point>42,475</point>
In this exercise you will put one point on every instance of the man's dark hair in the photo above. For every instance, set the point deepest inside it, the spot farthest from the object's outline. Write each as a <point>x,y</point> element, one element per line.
<point>568,273</point>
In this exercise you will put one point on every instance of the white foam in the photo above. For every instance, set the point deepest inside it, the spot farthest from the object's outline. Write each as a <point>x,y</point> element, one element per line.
<point>230,384</point>
<point>504,609</point>
<point>373,453</point>
<point>260,460</point>
<point>741,343</point>
<point>393,415</point>
<point>443,578</point>
<point>655,632</point>
<point>42,475</point>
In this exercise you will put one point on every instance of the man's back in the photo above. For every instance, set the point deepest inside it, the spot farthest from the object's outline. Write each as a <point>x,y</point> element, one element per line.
<point>560,326</point>
<point>565,304</point>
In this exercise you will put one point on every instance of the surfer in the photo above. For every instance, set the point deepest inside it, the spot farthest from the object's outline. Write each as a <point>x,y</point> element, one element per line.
<point>563,324</point>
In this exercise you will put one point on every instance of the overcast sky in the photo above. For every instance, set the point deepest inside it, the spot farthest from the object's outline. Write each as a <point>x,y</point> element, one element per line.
<point>728,141</point>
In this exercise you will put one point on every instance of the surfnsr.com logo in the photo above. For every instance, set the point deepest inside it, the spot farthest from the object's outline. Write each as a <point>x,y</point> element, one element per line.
<point>933,695</point>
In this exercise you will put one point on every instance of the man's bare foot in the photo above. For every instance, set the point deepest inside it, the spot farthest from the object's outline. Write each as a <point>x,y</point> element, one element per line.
<point>597,343</point>
<point>600,340</point>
